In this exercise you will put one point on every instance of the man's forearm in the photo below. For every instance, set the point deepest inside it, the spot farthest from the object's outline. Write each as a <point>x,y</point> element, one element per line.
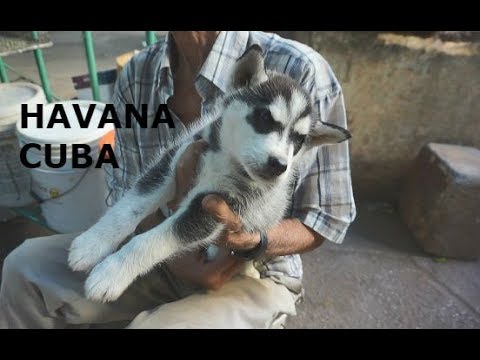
<point>291,236</point>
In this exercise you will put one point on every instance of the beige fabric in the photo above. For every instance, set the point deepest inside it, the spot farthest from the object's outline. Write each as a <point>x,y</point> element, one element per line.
<point>38,290</point>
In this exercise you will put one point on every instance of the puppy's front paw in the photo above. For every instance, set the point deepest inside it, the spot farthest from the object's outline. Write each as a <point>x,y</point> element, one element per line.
<point>107,281</point>
<point>88,249</point>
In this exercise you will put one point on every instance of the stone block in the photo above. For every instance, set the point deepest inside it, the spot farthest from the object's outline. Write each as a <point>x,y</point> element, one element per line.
<point>441,200</point>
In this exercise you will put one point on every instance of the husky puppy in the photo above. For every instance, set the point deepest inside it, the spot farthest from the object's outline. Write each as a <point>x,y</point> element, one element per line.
<point>256,138</point>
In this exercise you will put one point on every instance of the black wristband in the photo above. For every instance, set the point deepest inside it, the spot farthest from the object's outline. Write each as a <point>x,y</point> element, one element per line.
<point>255,252</point>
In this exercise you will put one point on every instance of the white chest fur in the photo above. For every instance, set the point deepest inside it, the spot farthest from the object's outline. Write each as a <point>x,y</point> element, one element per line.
<point>261,209</point>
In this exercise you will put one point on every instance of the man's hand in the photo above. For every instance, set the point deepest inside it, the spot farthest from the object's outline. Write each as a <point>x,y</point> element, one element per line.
<point>186,171</point>
<point>194,268</point>
<point>234,236</point>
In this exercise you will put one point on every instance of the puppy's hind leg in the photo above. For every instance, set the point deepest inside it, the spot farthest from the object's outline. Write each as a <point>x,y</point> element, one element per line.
<point>103,238</point>
<point>188,228</point>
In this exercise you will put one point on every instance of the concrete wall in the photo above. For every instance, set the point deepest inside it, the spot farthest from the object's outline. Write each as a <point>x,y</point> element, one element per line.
<point>401,92</point>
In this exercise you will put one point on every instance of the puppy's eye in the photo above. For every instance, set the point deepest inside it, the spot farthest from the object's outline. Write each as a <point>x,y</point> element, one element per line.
<point>265,115</point>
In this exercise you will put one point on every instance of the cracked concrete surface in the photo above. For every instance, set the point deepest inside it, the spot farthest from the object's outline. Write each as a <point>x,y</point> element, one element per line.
<point>378,278</point>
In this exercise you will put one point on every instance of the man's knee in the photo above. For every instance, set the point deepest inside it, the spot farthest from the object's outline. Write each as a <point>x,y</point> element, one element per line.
<point>19,261</point>
<point>243,302</point>
<point>34,256</point>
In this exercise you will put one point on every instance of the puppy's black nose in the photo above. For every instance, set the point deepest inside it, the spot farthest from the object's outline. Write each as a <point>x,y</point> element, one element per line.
<point>275,167</point>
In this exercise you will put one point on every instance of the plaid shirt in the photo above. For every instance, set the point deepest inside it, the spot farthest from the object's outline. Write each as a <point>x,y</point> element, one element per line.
<point>323,198</point>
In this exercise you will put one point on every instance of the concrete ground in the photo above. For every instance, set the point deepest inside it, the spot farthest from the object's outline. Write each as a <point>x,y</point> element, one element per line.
<point>378,278</point>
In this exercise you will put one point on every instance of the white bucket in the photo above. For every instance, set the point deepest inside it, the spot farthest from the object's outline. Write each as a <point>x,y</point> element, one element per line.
<point>72,199</point>
<point>14,177</point>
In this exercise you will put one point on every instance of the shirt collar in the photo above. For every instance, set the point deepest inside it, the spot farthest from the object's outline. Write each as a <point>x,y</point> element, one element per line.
<point>226,50</point>
<point>228,47</point>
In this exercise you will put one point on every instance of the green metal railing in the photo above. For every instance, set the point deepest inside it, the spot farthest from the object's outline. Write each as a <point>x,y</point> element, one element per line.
<point>92,66</point>
<point>42,70</point>
<point>151,38</point>
<point>3,71</point>
<point>88,42</point>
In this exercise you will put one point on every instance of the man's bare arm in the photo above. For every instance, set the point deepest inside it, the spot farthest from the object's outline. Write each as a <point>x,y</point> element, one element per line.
<point>290,236</point>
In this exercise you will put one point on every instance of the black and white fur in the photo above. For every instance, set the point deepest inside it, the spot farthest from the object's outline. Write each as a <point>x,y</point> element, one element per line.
<point>256,137</point>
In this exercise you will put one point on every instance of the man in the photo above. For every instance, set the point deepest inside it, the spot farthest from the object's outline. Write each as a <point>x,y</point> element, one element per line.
<point>188,71</point>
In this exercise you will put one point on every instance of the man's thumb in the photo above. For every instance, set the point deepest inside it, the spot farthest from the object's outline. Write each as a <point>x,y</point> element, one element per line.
<point>217,206</point>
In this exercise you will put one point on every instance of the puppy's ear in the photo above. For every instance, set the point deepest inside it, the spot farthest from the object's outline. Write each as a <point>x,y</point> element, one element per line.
<point>249,69</point>
<point>323,134</point>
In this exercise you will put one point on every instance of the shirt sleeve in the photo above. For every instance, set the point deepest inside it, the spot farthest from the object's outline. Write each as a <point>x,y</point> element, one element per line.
<point>323,198</point>
<point>126,152</point>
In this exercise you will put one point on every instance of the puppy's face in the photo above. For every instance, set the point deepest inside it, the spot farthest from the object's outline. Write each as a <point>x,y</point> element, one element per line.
<point>270,120</point>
